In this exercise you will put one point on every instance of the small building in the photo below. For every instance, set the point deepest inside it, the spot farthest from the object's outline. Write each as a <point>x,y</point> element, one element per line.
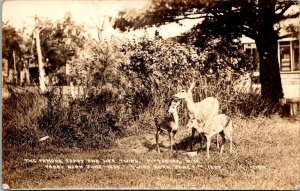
<point>289,65</point>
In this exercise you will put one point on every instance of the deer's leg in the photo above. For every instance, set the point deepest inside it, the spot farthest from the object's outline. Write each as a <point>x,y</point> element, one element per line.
<point>218,146</point>
<point>193,135</point>
<point>175,143</point>
<point>203,138</point>
<point>200,141</point>
<point>156,138</point>
<point>230,144</point>
<point>170,138</point>
<point>223,141</point>
<point>228,134</point>
<point>208,139</point>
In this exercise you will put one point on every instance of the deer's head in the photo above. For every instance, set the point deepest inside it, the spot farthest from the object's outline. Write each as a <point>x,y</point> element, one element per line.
<point>173,106</point>
<point>186,94</point>
<point>196,124</point>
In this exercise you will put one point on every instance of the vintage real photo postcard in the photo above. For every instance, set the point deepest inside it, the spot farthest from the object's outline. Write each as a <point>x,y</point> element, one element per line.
<point>150,94</point>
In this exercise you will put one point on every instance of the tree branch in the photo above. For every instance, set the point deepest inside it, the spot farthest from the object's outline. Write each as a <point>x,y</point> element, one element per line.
<point>280,16</point>
<point>284,8</point>
<point>198,17</point>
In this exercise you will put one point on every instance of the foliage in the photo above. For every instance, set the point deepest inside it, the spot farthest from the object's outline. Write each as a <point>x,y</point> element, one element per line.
<point>97,68</point>
<point>161,68</point>
<point>78,125</point>
<point>125,84</point>
<point>27,117</point>
<point>60,42</point>
<point>224,20</point>
<point>220,17</point>
<point>11,41</point>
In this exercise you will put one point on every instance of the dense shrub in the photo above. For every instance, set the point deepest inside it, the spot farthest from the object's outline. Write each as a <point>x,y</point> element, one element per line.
<point>162,68</point>
<point>27,117</point>
<point>125,85</point>
<point>84,123</point>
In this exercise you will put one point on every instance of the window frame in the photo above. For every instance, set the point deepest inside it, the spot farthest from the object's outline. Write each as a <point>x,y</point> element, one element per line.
<point>292,44</point>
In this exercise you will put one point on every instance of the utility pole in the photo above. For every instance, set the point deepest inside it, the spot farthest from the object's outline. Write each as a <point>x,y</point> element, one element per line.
<point>42,85</point>
<point>36,35</point>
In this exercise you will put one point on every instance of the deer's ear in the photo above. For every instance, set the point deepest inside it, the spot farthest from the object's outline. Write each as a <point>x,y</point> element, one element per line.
<point>192,86</point>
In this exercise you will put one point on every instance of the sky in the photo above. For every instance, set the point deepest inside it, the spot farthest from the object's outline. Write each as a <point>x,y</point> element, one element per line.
<point>91,13</point>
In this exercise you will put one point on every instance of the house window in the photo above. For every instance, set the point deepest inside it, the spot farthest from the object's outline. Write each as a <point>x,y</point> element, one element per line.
<point>296,65</point>
<point>289,56</point>
<point>248,51</point>
<point>254,53</point>
<point>296,59</point>
<point>285,58</point>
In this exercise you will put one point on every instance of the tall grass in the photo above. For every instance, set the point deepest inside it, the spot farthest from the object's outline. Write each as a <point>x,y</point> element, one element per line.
<point>20,118</point>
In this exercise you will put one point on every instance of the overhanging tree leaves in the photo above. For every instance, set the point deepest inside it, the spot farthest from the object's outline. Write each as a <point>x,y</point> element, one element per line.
<point>11,41</point>
<point>226,19</point>
<point>60,42</point>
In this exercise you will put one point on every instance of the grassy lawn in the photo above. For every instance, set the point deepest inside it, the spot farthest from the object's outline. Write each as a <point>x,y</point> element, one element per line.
<point>266,156</point>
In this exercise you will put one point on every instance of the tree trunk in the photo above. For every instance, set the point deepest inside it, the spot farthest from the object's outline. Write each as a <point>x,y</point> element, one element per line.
<point>267,47</point>
<point>271,88</point>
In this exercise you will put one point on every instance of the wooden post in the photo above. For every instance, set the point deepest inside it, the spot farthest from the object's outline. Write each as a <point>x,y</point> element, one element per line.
<point>15,77</point>
<point>293,104</point>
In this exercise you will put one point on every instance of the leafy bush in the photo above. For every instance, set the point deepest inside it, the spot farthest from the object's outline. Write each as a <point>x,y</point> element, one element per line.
<point>141,76</point>
<point>162,68</point>
<point>125,85</point>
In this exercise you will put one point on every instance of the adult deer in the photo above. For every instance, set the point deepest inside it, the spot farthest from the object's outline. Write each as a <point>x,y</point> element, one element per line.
<point>202,110</point>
